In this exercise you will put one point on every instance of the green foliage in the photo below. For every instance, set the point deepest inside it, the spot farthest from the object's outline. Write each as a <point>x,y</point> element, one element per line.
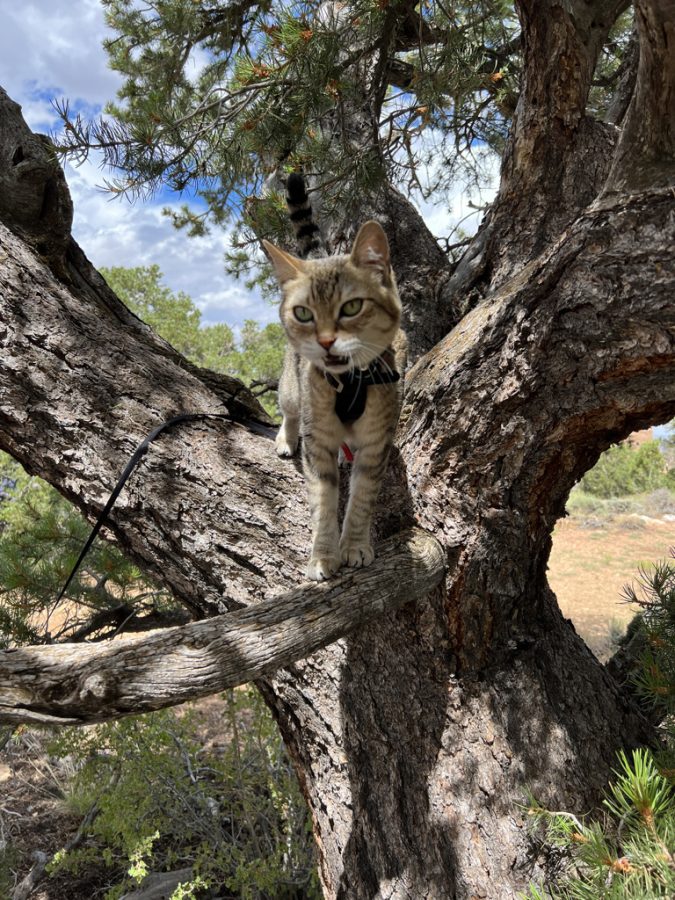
<point>629,854</point>
<point>41,536</point>
<point>655,678</point>
<point>236,817</point>
<point>256,359</point>
<point>623,470</point>
<point>259,358</point>
<point>172,315</point>
<point>215,98</point>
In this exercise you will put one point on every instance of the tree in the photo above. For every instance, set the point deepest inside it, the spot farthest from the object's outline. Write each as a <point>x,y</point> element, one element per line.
<point>417,735</point>
<point>256,359</point>
<point>173,316</point>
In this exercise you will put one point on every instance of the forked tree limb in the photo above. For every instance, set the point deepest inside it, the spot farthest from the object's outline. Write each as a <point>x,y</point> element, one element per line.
<point>76,684</point>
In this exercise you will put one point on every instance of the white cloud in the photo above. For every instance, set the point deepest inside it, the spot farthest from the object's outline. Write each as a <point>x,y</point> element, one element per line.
<point>52,49</point>
<point>114,232</point>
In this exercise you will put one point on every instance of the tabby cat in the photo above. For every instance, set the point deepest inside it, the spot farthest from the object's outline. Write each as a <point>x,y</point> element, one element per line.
<point>340,382</point>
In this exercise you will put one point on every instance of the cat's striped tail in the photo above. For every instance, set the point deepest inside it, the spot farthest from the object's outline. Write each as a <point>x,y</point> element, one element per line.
<point>307,233</point>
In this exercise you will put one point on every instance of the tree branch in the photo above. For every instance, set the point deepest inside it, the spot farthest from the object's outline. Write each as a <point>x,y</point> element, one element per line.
<point>34,197</point>
<point>74,684</point>
<point>557,158</point>
<point>645,155</point>
<point>626,76</point>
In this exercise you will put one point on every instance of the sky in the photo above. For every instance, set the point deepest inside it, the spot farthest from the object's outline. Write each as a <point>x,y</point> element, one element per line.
<point>52,49</point>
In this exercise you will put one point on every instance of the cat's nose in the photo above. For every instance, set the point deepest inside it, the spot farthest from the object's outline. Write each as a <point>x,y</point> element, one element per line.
<point>326,342</point>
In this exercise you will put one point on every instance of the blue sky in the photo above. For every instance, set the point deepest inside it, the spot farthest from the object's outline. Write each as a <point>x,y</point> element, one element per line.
<point>51,49</point>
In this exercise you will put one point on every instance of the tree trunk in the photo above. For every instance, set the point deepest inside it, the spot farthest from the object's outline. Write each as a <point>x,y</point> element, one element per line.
<point>416,738</point>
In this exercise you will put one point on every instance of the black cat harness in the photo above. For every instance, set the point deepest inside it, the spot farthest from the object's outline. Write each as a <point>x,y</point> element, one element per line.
<point>351,391</point>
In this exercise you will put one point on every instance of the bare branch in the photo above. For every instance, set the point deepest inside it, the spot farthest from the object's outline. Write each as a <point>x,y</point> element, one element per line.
<point>76,684</point>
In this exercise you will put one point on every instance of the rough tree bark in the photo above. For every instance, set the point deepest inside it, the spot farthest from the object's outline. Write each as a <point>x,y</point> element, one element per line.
<point>416,737</point>
<point>557,157</point>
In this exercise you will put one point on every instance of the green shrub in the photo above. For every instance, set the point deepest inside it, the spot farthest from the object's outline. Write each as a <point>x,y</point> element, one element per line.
<point>42,535</point>
<point>236,817</point>
<point>629,854</point>
<point>623,470</point>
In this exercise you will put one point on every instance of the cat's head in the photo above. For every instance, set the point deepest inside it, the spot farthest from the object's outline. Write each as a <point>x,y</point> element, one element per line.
<point>340,312</point>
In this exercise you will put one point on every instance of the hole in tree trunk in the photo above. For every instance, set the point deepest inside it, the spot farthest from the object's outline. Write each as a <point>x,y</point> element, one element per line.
<point>18,156</point>
<point>620,517</point>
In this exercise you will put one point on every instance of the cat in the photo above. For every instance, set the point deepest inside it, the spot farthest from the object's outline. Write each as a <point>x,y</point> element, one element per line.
<point>340,383</point>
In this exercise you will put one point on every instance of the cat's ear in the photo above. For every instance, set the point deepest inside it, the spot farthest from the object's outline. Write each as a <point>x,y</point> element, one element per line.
<point>285,265</point>
<point>371,248</point>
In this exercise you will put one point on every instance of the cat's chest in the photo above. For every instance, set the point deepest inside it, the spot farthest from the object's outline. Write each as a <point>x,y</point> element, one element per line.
<point>356,414</point>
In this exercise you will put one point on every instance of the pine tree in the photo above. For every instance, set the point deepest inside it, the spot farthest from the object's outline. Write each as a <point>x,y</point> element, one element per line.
<point>629,854</point>
<point>216,100</point>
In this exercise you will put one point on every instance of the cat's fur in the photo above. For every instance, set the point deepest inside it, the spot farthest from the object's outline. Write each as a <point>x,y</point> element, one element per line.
<point>333,342</point>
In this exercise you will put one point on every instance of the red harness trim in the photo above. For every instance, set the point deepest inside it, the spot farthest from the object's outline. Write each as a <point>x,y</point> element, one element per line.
<point>349,456</point>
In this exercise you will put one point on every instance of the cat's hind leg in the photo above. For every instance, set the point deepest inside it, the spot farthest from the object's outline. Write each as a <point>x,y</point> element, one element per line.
<point>286,442</point>
<point>287,438</point>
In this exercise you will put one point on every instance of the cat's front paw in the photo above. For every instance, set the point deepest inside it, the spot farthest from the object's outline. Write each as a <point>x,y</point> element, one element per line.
<point>322,567</point>
<point>357,554</point>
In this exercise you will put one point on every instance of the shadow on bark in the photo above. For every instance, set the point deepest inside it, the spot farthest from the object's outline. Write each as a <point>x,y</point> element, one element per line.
<point>395,692</point>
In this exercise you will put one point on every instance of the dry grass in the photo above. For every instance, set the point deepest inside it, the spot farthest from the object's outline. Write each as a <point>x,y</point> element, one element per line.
<point>592,560</point>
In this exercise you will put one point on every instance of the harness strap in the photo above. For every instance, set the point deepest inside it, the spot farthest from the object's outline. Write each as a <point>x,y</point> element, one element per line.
<point>351,388</point>
<point>349,456</point>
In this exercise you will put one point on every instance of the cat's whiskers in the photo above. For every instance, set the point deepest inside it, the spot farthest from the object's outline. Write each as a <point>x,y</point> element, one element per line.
<point>374,347</point>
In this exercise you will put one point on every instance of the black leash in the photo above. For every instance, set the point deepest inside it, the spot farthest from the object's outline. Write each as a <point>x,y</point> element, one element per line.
<point>138,455</point>
<point>350,403</point>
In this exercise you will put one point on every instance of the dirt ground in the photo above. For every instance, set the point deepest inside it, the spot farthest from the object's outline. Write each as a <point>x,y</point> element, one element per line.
<point>35,815</point>
<point>592,561</point>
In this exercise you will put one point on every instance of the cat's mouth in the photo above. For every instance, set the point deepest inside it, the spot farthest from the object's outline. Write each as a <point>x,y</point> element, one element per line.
<point>331,360</point>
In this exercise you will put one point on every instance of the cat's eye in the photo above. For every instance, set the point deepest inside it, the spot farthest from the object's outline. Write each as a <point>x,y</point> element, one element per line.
<point>351,307</point>
<point>302,314</point>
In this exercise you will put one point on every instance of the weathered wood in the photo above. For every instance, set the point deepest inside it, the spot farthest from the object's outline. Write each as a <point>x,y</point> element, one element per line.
<point>417,736</point>
<point>74,684</point>
<point>34,196</point>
